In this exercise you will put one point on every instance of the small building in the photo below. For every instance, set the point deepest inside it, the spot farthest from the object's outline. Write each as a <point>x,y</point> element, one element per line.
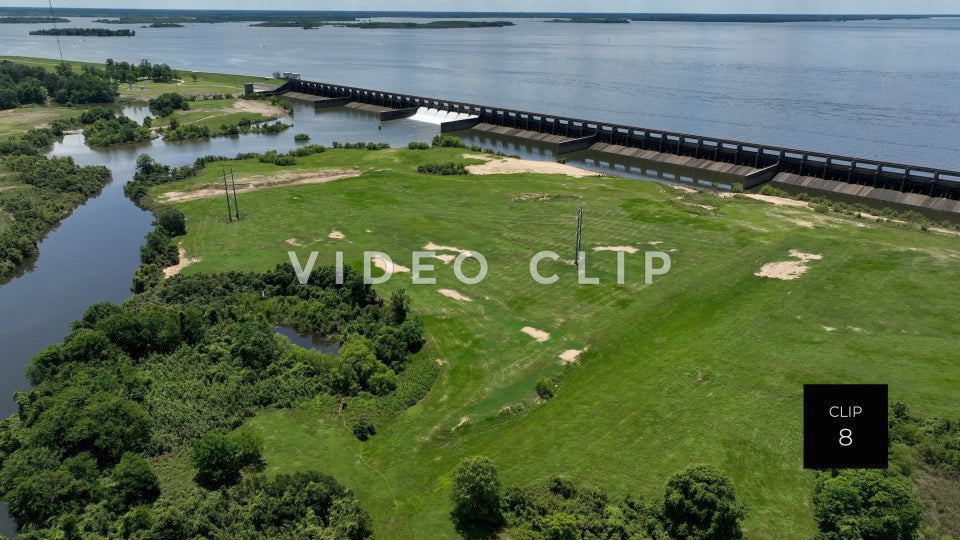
<point>248,88</point>
<point>291,76</point>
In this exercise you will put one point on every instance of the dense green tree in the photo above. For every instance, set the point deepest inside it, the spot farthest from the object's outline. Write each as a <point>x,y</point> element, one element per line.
<point>133,482</point>
<point>866,503</point>
<point>399,306</point>
<point>700,503</point>
<point>218,460</point>
<point>172,221</point>
<point>476,493</point>
<point>349,521</point>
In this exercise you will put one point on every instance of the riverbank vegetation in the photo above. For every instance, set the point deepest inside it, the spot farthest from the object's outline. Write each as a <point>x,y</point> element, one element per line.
<point>114,129</point>
<point>475,389</point>
<point>97,32</point>
<point>127,387</point>
<point>32,20</point>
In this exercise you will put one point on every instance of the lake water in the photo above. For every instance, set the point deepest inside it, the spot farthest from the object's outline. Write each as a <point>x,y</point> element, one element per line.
<point>872,89</point>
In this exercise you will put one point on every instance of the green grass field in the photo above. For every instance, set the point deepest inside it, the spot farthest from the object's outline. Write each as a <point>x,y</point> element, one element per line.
<point>206,83</point>
<point>704,366</point>
<point>211,113</point>
<point>14,121</point>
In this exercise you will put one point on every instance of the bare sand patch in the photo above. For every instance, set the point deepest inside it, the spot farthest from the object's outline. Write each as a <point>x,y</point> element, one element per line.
<point>829,328</point>
<point>336,235</point>
<point>571,356</point>
<point>293,242</point>
<point>706,207</point>
<point>779,201</point>
<point>184,262</point>
<point>625,249</point>
<point>389,266</point>
<point>456,295</point>
<point>436,247</point>
<point>856,329</point>
<point>463,421</point>
<point>684,189</point>
<point>259,107</point>
<point>441,362</point>
<point>655,242</point>
<point>726,195</point>
<point>447,259</point>
<point>509,165</point>
<point>788,270</point>
<point>249,184</point>
<point>802,223</point>
<point>538,335</point>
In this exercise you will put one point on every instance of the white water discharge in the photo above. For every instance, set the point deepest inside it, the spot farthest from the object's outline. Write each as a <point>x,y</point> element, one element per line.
<point>439,116</point>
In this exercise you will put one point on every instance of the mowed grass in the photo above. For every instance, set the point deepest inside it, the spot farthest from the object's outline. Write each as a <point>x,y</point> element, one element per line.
<point>704,366</point>
<point>21,119</point>
<point>211,113</point>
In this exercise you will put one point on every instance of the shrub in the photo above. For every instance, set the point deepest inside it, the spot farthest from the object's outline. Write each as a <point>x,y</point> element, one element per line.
<point>737,187</point>
<point>418,145</point>
<point>859,503</point>
<point>476,493</point>
<point>448,141</point>
<point>443,169</point>
<point>172,221</point>
<point>301,137</point>
<point>772,191</point>
<point>700,504</point>
<point>544,389</point>
<point>364,429</point>
<point>159,249</point>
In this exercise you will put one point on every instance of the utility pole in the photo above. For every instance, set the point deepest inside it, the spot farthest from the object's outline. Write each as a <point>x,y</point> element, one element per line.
<point>227,193</point>
<point>576,254</point>
<point>236,205</point>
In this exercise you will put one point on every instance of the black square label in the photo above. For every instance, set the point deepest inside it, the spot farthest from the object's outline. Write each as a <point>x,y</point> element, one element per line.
<point>845,426</point>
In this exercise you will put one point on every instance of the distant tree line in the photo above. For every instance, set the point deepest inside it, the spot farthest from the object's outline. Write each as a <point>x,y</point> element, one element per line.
<point>21,84</point>
<point>97,32</point>
<point>32,20</point>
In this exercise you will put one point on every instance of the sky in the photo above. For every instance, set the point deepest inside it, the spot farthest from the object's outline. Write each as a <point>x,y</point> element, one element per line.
<point>623,6</point>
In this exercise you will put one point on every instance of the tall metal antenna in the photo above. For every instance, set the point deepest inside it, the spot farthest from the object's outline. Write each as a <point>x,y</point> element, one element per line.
<point>236,205</point>
<point>54,20</point>
<point>576,254</point>
<point>226,192</point>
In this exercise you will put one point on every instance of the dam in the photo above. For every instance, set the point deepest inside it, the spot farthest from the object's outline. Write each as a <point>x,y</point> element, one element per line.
<point>750,164</point>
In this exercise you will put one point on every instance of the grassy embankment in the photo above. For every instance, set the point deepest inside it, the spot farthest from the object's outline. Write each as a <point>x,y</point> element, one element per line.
<point>213,113</point>
<point>704,366</point>
<point>23,118</point>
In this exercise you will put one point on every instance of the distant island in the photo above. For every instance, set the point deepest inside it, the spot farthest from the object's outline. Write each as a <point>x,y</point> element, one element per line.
<point>32,20</point>
<point>164,25</point>
<point>309,24</point>
<point>592,20</point>
<point>98,32</point>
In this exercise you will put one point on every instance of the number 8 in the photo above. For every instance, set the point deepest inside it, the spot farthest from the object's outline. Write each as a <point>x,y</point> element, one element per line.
<point>846,437</point>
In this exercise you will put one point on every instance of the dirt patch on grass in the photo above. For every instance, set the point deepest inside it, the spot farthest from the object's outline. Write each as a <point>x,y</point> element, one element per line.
<point>538,335</point>
<point>625,249</point>
<point>456,295</point>
<point>255,183</point>
<point>336,235</point>
<point>293,242</point>
<point>514,166</point>
<point>436,247</point>
<point>684,189</point>
<point>387,266</point>
<point>829,329</point>
<point>802,223</point>
<point>184,262</point>
<point>447,259</point>
<point>571,356</point>
<point>779,201</point>
<point>788,270</point>
<point>259,107</point>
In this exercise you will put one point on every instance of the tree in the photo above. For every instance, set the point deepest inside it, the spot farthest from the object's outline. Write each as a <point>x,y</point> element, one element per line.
<point>858,503</point>
<point>218,460</point>
<point>399,305</point>
<point>134,482</point>
<point>476,493</point>
<point>700,504</point>
<point>172,221</point>
<point>348,520</point>
<point>251,449</point>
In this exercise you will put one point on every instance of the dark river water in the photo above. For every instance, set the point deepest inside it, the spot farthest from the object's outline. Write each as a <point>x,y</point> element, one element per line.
<point>872,89</point>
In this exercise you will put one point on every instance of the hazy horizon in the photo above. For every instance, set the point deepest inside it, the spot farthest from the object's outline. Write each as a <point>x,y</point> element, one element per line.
<point>778,7</point>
